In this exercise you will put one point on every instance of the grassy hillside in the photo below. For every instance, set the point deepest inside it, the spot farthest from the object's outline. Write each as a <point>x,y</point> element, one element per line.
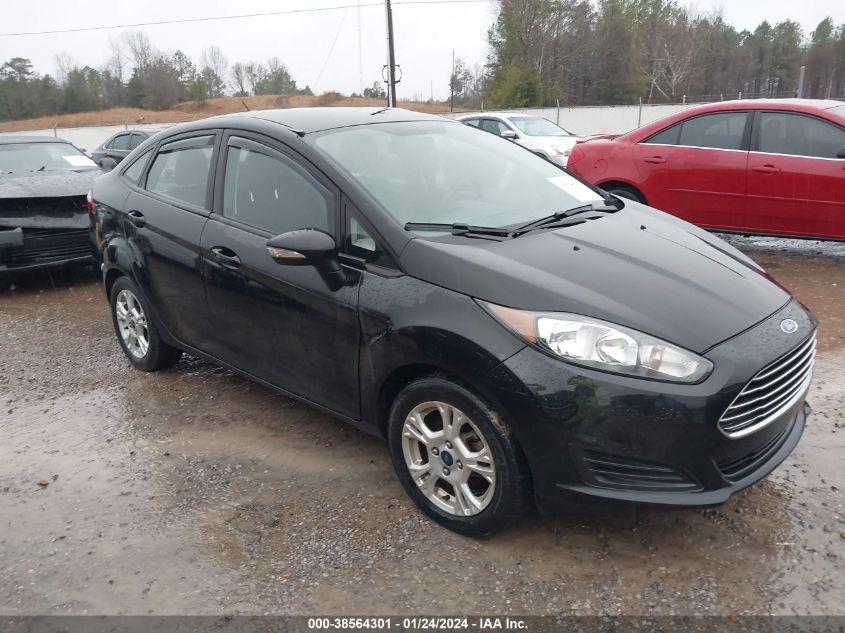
<point>190,111</point>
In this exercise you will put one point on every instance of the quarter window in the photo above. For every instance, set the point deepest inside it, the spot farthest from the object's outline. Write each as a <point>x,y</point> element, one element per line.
<point>268,191</point>
<point>471,122</point>
<point>724,130</point>
<point>180,170</point>
<point>137,139</point>
<point>669,136</point>
<point>799,135</point>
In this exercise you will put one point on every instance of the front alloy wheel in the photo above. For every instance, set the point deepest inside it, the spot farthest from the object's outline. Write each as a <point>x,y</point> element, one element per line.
<point>448,458</point>
<point>457,457</point>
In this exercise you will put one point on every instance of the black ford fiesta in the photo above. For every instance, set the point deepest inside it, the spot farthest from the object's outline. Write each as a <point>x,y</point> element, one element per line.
<point>516,335</point>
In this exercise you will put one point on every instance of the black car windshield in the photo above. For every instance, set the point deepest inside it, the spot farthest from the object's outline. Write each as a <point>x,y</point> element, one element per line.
<point>23,157</point>
<point>536,126</point>
<point>445,172</point>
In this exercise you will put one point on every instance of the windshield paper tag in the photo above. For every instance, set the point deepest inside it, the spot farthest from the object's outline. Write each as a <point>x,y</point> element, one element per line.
<point>578,190</point>
<point>79,161</point>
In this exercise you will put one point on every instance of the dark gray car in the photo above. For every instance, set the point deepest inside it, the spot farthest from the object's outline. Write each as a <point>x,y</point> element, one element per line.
<point>117,147</point>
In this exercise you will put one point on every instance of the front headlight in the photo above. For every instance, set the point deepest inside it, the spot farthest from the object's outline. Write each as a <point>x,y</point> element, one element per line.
<point>601,345</point>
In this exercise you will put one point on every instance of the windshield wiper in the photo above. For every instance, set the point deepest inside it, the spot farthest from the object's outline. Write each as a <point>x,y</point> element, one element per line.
<point>458,228</point>
<point>557,216</point>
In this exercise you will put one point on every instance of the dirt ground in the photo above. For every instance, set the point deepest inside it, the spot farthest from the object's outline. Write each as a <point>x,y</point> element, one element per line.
<point>195,491</point>
<point>191,110</point>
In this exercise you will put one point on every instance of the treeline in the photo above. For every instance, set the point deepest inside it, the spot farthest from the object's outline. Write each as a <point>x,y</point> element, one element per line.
<point>136,75</point>
<point>583,52</point>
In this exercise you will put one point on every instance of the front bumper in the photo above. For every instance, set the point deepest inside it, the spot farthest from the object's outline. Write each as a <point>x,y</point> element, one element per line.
<point>615,437</point>
<point>30,249</point>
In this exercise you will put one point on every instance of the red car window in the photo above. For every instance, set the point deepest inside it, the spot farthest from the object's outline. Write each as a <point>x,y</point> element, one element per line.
<point>799,135</point>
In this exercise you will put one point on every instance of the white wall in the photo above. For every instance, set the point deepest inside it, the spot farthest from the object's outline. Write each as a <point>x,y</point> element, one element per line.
<point>581,120</point>
<point>88,138</point>
<point>602,119</point>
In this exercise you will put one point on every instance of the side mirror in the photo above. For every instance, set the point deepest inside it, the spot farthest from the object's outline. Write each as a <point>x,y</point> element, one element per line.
<point>309,247</point>
<point>841,152</point>
<point>509,134</point>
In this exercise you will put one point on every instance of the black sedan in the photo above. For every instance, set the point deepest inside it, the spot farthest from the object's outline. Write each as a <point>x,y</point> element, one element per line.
<point>117,147</point>
<point>44,183</point>
<point>515,334</point>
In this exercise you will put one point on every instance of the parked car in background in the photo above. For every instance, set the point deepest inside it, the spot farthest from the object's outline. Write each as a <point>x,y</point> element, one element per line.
<point>540,135</point>
<point>773,167</point>
<point>44,183</point>
<point>117,147</point>
<point>514,334</point>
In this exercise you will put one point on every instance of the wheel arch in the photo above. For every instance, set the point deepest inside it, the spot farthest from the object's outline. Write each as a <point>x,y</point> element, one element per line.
<point>623,184</point>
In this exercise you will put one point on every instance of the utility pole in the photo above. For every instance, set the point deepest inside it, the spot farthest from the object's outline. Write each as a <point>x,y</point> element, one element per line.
<point>800,91</point>
<point>391,61</point>
<point>452,86</point>
<point>360,53</point>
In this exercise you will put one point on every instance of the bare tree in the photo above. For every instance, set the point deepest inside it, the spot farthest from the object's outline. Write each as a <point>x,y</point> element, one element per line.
<point>240,79</point>
<point>214,69</point>
<point>139,49</point>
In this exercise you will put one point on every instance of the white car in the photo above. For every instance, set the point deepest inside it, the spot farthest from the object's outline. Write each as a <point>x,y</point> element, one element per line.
<point>539,135</point>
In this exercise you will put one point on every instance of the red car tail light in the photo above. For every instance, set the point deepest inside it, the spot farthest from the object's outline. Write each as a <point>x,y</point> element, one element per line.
<point>89,202</point>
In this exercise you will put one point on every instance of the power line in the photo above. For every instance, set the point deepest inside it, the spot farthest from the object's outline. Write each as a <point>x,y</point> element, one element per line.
<point>232,17</point>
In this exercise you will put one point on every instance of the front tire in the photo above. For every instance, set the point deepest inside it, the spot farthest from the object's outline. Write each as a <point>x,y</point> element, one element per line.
<point>457,459</point>
<point>136,330</point>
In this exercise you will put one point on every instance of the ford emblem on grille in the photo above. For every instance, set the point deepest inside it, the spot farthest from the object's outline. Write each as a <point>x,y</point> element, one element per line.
<point>789,326</point>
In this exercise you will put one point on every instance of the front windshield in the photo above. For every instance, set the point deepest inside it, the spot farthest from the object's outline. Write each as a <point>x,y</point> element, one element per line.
<point>445,172</point>
<point>535,126</point>
<point>23,157</point>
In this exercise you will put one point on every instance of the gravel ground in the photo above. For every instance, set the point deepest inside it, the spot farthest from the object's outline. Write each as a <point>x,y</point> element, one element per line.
<point>194,491</point>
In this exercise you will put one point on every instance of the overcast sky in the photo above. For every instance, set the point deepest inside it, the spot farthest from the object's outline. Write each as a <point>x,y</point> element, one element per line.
<point>425,35</point>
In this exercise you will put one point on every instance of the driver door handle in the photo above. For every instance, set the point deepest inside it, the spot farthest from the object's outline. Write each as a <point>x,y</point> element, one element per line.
<point>227,257</point>
<point>766,169</point>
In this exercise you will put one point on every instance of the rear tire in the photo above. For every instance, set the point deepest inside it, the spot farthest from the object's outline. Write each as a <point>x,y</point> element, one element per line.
<point>628,193</point>
<point>136,330</point>
<point>457,459</point>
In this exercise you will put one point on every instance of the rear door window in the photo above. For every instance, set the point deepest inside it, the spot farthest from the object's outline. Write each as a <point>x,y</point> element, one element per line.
<point>180,170</point>
<point>137,139</point>
<point>723,130</point>
<point>269,191</point>
<point>798,135</point>
<point>134,171</point>
<point>669,136</point>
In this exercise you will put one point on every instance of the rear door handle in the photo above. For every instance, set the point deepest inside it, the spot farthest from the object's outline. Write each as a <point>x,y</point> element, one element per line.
<point>137,218</point>
<point>767,169</point>
<point>226,256</point>
<point>657,160</point>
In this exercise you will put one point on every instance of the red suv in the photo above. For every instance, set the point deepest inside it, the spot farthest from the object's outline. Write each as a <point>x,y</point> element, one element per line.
<point>775,167</point>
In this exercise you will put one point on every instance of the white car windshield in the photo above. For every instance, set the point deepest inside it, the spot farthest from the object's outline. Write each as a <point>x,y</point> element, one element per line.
<point>23,157</point>
<point>445,172</point>
<point>535,126</point>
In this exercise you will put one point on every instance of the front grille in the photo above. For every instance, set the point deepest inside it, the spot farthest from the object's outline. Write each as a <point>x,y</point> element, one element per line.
<point>737,469</point>
<point>771,392</point>
<point>628,473</point>
<point>41,246</point>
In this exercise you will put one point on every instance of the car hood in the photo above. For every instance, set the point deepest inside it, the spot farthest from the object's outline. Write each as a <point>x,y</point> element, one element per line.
<point>638,267</point>
<point>47,184</point>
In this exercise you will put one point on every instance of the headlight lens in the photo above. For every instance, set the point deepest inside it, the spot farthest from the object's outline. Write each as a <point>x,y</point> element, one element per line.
<point>601,345</point>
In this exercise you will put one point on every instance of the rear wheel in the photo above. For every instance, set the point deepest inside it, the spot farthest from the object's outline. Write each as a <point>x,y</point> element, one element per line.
<point>136,331</point>
<point>457,459</point>
<point>624,191</point>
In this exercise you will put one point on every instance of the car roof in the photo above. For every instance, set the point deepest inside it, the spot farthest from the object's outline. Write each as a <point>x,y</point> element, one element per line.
<point>308,120</point>
<point>768,104</point>
<point>8,139</point>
